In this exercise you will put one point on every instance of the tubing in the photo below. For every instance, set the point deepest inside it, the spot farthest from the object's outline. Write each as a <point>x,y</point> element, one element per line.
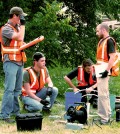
<point>34,42</point>
<point>8,50</point>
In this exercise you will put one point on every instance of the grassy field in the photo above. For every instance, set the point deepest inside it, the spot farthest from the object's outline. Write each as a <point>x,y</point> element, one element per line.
<point>58,125</point>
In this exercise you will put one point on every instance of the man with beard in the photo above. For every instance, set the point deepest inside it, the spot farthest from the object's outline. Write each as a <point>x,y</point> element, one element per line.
<point>86,80</point>
<point>106,52</point>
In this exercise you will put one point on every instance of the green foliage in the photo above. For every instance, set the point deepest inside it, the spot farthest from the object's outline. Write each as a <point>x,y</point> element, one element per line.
<point>46,23</point>
<point>109,8</point>
<point>114,85</point>
<point>69,36</point>
<point>116,34</point>
<point>57,75</point>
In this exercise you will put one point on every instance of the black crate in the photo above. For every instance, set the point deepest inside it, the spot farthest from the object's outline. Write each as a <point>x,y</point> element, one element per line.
<point>29,121</point>
<point>118,115</point>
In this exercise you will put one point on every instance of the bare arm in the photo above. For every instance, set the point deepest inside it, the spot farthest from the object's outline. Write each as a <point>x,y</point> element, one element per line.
<point>28,91</point>
<point>70,84</point>
<point>90,89</point>
<point>111,61</point>
<point>49,81</point>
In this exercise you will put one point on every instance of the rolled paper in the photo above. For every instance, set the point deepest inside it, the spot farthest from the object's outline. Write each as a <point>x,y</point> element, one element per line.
<point>32,43</point>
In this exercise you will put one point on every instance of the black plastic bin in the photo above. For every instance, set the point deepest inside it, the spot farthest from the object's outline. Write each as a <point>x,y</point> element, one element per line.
<point>118,115</point>
<point>29,121</point>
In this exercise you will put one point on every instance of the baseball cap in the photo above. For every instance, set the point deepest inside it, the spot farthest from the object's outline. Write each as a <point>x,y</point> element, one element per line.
<point>17,10</point>
<point>37,56</point>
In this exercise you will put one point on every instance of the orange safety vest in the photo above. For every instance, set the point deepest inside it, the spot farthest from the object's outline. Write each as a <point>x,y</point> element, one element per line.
<point>12,50</point>
<point>103,56</point>
<point>36,83</point>
<point>81,78</point>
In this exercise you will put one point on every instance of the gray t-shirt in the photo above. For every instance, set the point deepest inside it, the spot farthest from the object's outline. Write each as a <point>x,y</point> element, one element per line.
<point>26,76</point>
<point>7,33</point>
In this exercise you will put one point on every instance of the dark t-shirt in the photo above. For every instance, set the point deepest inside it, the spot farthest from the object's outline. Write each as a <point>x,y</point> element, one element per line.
<point>7,33</point>
<point>110,46</point>
<point>26,76</point>
<point>74,73</point>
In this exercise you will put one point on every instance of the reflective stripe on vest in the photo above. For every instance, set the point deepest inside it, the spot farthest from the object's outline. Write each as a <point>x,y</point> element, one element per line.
<point>13,50</point>
<point>36,84</point>
<point>115,67</point>
<point>43,75</point>
<point>102,50</point>
<point>34,78</point>
<point>81,79</point>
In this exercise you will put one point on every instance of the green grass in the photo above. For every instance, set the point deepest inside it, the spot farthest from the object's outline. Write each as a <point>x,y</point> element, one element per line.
<point>114,85</point>
<point>58,126</point>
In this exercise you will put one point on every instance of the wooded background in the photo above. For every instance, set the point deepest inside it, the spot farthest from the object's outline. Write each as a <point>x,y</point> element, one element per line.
<point>69,35</point>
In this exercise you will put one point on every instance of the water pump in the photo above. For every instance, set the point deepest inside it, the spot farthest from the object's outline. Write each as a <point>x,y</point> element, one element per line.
<point>77,113</point>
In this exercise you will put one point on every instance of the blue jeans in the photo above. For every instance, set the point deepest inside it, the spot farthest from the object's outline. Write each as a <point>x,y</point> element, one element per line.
<point>13,86</point>
<point>33,105</point>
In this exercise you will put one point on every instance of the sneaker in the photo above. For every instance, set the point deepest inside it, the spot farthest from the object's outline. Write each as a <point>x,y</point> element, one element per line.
<point>104,123</point>
<point>8,120</point>
<point>101,122</point>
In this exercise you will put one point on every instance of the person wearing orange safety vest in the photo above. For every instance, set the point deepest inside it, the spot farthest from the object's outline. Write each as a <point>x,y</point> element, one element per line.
<point>35,91</point>
<point>12,37</point>
<point>86,80</point>
<point>106,52</point>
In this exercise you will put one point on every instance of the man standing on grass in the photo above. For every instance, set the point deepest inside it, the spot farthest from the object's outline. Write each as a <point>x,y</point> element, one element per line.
<point>106,52</point>
<point>12,37</point>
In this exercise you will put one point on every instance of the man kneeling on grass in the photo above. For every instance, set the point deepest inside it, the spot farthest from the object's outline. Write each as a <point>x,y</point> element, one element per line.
<point>34,92</point>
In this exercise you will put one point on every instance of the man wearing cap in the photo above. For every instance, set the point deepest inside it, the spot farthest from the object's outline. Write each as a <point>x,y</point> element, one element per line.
<point>12,37</point>
<point>34,91</point>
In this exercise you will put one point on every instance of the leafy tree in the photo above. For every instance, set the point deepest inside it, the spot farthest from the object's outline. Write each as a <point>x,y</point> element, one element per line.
<point>85,15</point>
<point>46,23</point>
<point>69,37</point>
